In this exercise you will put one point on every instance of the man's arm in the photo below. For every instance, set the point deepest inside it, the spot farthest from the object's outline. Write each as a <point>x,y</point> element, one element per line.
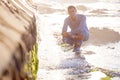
<point>64,29</point>
<point>83,21</point>
<point>82,29</point>
<point>82,25</point>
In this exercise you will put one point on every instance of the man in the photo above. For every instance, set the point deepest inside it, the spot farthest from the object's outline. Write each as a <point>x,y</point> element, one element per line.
<point>79,31</point>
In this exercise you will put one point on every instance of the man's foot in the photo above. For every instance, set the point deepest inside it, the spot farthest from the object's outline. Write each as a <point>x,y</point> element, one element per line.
<point>77,52</point>
<point>79,55</point>
<point>76,49</point>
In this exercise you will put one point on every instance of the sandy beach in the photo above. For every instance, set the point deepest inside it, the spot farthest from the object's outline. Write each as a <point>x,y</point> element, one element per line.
<point>101,50</point>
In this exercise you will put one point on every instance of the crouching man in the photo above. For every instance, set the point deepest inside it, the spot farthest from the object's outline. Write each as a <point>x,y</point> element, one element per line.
<point>79,31</point>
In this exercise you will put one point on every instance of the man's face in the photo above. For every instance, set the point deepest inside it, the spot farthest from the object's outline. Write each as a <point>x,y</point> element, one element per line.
<point>72,12</point>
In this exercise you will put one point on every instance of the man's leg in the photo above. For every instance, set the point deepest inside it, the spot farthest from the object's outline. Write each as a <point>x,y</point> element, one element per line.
<point>68,39</point>
<point>77,45</point>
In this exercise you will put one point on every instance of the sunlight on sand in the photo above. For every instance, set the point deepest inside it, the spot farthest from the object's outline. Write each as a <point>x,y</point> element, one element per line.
<point>102,49</point>
<point>97,75</point>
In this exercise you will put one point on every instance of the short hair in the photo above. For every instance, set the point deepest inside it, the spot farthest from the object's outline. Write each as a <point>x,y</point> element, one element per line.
<point>71,6</point>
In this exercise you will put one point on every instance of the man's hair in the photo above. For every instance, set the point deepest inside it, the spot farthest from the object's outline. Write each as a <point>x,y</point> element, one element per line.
<point>71,6</point>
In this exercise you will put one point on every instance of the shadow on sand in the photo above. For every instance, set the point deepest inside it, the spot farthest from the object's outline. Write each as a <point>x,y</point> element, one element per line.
<point>102,37</point>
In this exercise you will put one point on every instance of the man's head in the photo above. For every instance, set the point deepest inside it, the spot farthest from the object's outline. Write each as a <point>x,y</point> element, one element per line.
<point>72,11</point>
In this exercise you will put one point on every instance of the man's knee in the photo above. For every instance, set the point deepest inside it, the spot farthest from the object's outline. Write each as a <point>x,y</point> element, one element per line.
<point>67,40</point>
<point>86,38</point>
<point>64,39</point>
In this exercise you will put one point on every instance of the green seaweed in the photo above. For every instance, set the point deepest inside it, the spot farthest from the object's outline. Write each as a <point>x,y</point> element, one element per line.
<point>33,65</point>
<point>106,78</point>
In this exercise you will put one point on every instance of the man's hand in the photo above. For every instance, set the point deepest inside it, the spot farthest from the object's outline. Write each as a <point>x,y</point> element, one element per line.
<point>74,36</point>
<point>77,37</point>
<point>80,37</point>
<point>65,34</point>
